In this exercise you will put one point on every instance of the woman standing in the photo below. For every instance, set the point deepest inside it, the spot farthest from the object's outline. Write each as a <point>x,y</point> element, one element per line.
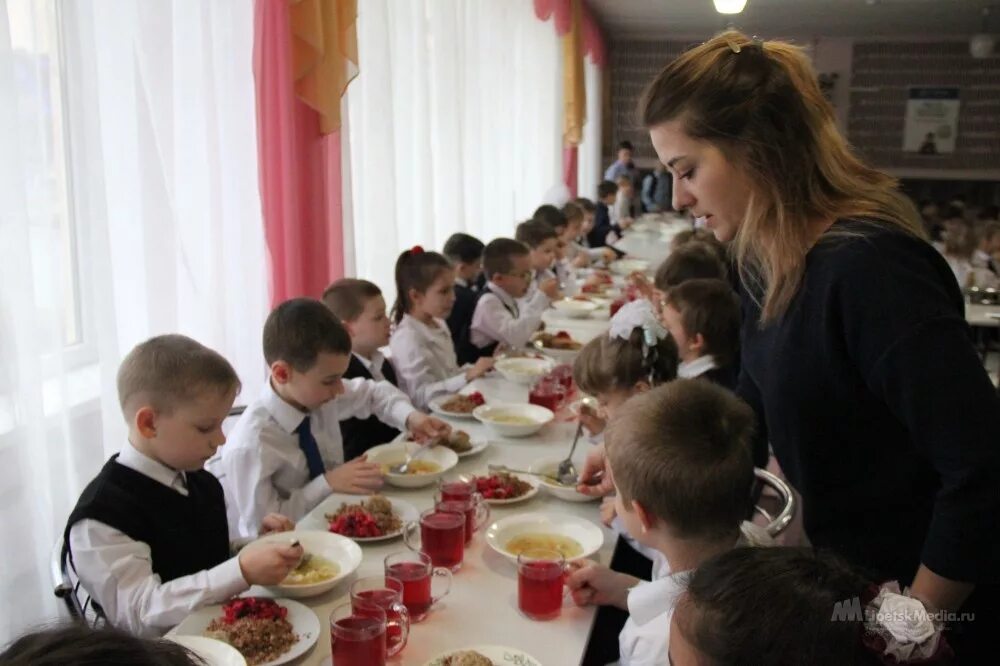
<point>856,355</point>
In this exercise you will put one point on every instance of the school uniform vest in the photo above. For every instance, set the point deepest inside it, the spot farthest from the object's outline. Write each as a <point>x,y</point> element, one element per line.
<point>185,534</point>
<point>359,435</point>
<point>460,324</point>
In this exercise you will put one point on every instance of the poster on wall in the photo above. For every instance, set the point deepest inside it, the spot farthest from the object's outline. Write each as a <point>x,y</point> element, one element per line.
<point>931,121</point>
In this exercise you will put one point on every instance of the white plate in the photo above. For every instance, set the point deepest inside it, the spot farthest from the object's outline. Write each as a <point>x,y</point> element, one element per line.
<point>394,453</point>
<point>549,465</point>
<point>574,309</point>
<point>315,520</point>
<point>539,415</point>
<point>587,534</point>
<point>521,370</point>
<point>628,266</point>
<point>340,550</point>
<point>530,480</point>
<point>561,355</point>
<point>478,445</point>
<point>304,623</point>
<point>435,406</point>
<point>211,651</point>
<point>501,656</point>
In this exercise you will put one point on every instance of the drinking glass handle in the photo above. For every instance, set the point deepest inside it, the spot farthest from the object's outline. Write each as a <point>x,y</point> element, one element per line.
<point>404,628</point>
<point>408,530</point>
<point>482,511</point>
<point>441,572</point>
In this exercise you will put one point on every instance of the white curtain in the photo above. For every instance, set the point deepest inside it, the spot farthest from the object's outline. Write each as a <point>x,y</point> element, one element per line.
<point>455,124</point>
<point>589,171</point>
<point>129,207</point>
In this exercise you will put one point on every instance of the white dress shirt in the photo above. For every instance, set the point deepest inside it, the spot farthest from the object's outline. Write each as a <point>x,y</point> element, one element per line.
<point>373,365</point>
<point>499,318</point>
<point>425,361</point>
<point>263,470</point>
<point>645,637</point>
<point>118,573</point>
<point>697,367</point>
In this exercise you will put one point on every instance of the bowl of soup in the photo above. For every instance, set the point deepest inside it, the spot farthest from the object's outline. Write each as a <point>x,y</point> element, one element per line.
<point>425,470</point>
<point>572,536</point>
<point>510,420</point>
<point>523,370</point>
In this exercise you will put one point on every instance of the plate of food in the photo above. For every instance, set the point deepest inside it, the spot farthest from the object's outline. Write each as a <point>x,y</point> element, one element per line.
<point>210,651</point>
<point>521,370</point>
<point>267,632</point>
<point>329,558</point>
<point>514,420</point>
<point>430,466</point>
<point>459,441</point>
<point>457,406</point>
<point>559,345</point>
<point>499,488</point>
<point>547,467</point>
<point>574,308</point>
<point>484,655</point>
<point>628,266</point>
<point>362,519</point>
<point>574,537</point>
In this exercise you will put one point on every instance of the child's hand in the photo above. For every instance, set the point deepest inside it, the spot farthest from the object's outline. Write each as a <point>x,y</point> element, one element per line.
<point>591,421</point>
<point>480,368</point>
<point>581,260</point>
<point>357,477</point>
<point>595,462</point>
<point>593,584</point>
<point>608,511</point>
<point>424,427</point>
<point>275,522</point>
<point>626,222</point>
<point>550,288</point>
<point>608,255</point>
<point>269,564</point>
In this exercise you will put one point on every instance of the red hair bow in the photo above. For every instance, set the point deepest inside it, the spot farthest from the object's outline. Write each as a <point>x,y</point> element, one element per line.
<point>417,250</point>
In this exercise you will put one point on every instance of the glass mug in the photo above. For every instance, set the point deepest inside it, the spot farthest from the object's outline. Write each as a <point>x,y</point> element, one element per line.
<point>547,393</point>
<point>540,577</point>
<point>357,640</point>
<point>417,573</point>
<point>458,489</point>
<point>474,508</point>
<point>442,537</point>
<point>385,593</point>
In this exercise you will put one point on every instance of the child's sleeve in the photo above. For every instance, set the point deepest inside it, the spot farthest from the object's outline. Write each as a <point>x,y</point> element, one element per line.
<point>366,397</point>
<point>415,372</point>
<point>118,573</point>
<point>493,319</point>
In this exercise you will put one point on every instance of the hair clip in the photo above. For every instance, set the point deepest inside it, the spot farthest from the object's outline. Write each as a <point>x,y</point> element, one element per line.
<point>733,45</point>
<point>758,42</point>
<point>416,249</point>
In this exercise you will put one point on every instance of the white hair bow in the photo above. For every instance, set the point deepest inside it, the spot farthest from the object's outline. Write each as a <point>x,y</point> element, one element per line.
<point>637,314</point>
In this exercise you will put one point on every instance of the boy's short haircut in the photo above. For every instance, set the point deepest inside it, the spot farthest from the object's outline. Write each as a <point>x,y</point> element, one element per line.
<point>348,297</point>
<point>299,330</point>
<point>168,371</point>
<point>709,307</point>
<point>626,145</point>
<point>498,257</point>
<point>550,215</point>
<point>689,262</point>
<point>78,643</point>
<point>463,248</point>
<point>682,451</point>
<point>586,204</point>
<point>573,212</point>
<point>606,188</point>
<point>535,232</point>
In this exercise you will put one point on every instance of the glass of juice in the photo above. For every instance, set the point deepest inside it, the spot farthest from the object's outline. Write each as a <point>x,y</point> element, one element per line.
<point>540,577</point>
<point>385,593</point>
<point>474,508</point>
<point>355,639</point>
<point>415,570</point>
<point>442,537</point>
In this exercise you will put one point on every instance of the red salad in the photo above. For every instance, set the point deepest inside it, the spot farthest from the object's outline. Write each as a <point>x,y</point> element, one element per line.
<point>256,608</point>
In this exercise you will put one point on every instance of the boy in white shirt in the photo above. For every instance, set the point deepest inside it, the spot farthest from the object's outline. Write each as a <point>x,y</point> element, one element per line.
<point>148,537</point>
<point>679,456</point>
<point>286,452</point>
<point>543,242</point>
<point>499,317</point>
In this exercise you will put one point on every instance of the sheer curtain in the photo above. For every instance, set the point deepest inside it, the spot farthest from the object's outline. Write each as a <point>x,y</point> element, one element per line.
<point>589,172</point>
<point>128,207</point>
<point>454,121</point>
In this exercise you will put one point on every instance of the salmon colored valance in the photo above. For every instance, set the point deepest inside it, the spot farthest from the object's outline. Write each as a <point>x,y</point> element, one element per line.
<point>593,39</point>
<point>324,54</point>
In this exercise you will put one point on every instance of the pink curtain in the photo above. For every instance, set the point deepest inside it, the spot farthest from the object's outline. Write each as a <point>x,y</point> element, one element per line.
<point>570,168</point>
<point>300,170</point>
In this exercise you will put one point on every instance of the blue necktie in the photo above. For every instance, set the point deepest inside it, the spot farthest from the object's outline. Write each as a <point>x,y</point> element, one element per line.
<point>311,450</point>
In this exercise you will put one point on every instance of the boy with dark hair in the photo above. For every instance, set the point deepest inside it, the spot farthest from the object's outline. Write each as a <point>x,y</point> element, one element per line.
<point>607,193</point>
<point>286,452</point>
<point>499,316</point>
<point>361,308</point>
<point>703,317</point>
<point>148,537</point>
<point>466,253</point>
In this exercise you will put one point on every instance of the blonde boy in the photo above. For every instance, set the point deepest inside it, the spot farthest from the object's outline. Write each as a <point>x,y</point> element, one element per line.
<point>148,537</point>
<point>287,452</point>
<point>679,456</point>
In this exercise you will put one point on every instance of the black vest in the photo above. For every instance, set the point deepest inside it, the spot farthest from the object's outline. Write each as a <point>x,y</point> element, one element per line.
<point>185,534</point>
<point>359,435</point>
<point>460,324</point>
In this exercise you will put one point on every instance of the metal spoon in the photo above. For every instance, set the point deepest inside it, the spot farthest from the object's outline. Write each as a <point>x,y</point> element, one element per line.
<point>566,472</point>
<point>593,481</point>
<point>401,469</point>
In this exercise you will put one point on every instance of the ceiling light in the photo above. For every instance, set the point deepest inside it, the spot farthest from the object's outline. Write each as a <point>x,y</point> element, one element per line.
<point>981,45</point>
<point>729,6</point>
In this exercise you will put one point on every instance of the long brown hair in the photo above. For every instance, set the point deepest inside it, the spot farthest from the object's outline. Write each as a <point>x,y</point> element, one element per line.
<point>760,104</point>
